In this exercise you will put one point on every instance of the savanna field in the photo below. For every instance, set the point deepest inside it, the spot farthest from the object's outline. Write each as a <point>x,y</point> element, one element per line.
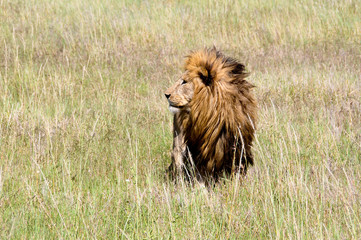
<point>86,135</point>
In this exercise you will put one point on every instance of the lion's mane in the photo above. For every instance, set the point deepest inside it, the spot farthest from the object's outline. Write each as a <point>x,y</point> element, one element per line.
<point>219,128</point>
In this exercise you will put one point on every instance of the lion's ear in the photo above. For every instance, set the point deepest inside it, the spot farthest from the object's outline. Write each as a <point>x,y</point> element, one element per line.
<point>205,75</point>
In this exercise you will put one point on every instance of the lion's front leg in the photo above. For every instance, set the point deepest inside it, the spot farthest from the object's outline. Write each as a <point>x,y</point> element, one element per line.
<point>178,155</point>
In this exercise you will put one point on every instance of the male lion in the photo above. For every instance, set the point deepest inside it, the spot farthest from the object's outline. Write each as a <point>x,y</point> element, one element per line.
<point>214,117</point>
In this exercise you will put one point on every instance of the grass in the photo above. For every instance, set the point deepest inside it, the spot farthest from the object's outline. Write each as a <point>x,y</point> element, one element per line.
<point>85,134</point>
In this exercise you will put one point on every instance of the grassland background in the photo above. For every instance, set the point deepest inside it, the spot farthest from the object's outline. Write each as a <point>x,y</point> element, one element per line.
<point>85,134</point>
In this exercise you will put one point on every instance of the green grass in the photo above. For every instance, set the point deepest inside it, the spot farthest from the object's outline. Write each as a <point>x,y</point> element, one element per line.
<point>85,134</point>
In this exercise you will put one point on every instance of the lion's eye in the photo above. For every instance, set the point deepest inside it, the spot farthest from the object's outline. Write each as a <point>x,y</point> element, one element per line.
<point>183,82</point>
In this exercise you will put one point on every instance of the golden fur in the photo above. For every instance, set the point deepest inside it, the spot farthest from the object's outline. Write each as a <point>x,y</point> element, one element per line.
<point>214,116</point>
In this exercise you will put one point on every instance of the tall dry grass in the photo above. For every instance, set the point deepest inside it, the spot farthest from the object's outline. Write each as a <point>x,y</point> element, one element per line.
<point>85,134</point>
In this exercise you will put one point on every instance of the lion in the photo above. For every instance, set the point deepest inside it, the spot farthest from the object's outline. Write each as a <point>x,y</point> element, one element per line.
<point>214,117</point>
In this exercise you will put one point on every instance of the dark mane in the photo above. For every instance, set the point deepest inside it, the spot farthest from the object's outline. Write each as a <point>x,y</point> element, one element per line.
<point>219,129</point>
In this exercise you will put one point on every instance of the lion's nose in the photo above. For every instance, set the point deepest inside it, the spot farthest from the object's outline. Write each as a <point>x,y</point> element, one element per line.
<point>167,95</point>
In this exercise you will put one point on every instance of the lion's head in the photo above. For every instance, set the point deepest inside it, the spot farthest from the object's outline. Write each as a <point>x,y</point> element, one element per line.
<point>215,114</point>
<point>180,94</point>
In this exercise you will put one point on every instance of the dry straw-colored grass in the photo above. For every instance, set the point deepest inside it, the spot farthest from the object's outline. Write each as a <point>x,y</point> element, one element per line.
<point>85,134</point>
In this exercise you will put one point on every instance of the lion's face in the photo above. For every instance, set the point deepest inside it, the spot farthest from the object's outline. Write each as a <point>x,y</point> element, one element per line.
<point>180,94</point>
